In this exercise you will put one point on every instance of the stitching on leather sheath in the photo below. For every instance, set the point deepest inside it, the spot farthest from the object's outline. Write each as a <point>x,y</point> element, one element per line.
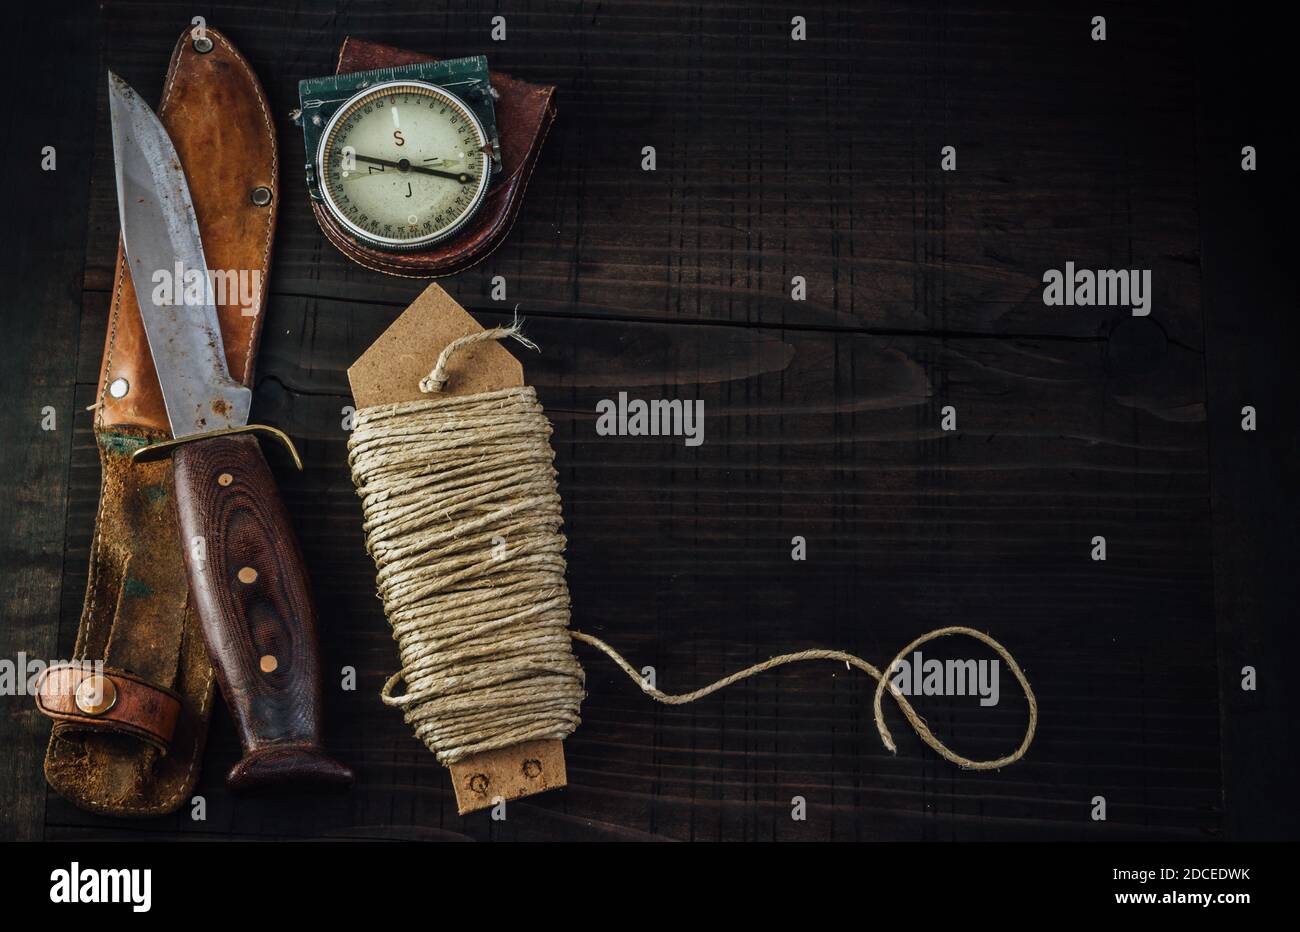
<point>53,749</point>
<point>115,309</point>
<point>270,216</point>
<point>198,733</point>
<point>117,609</point>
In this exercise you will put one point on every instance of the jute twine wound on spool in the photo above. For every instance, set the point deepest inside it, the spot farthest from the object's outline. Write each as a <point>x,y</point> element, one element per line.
<point>462,518</point>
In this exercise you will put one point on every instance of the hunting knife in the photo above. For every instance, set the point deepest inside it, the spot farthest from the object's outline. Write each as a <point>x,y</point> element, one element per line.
<point>246,574</point>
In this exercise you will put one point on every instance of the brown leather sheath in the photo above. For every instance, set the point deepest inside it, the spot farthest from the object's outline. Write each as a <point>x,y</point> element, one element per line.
<point>139,756</point>
<point>524,114</point>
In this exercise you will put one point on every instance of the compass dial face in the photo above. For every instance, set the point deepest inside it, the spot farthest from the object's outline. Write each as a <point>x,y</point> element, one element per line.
<point>403,164</point>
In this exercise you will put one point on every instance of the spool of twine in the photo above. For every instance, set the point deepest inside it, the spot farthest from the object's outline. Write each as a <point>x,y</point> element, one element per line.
<point>462,518</point>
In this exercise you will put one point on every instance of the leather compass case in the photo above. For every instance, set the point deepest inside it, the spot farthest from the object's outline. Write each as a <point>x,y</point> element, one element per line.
<point>524,115</point>
<point>140,755</point>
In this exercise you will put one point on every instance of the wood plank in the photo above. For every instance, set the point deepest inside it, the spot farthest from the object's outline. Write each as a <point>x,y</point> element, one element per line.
<point>1250,302</point>
<point>41,266</point>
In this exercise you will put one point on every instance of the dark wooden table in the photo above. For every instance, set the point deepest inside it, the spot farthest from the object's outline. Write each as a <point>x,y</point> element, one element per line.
<point>776,158</point>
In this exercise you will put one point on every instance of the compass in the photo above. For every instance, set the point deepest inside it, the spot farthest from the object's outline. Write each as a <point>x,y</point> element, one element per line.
<point>400,159</point>
<point>402,164</point>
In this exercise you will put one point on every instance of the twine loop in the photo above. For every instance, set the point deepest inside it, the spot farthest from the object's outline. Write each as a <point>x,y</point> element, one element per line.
<point>882,683</point>
<point>436,380</point>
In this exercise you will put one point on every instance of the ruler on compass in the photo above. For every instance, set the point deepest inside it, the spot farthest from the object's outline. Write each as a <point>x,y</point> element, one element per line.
<point>467,78</point>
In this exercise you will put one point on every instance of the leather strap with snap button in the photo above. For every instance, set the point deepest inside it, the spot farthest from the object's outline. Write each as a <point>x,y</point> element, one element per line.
<point>81,697</point>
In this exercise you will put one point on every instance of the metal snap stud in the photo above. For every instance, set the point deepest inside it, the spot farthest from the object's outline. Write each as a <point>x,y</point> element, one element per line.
<point>202,44</point>
<point>96,694</point>
<point>261,196</point>
<point>119,387</point>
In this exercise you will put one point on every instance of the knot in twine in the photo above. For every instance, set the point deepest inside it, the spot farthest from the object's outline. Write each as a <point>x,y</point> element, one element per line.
<point>462,518</point>
<point>436,380</point>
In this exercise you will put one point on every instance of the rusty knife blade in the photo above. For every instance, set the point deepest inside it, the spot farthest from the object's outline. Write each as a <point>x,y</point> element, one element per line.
<point>160,235</point>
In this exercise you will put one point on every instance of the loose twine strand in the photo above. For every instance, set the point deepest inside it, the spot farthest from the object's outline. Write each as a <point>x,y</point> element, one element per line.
<point>462,518</point>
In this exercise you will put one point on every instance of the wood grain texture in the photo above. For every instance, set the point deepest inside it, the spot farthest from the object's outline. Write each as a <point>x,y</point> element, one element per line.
<point>250,590</point>
<point>778,159</point>
<point>1250,303</point>
<point>41,269</point>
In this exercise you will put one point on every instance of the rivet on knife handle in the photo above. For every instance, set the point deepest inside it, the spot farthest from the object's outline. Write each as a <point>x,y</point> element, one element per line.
<point>249,587</point>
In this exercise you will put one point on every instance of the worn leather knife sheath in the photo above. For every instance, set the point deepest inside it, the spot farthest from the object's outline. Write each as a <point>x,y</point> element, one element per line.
<point>524,113</point>
<point>141,756</point>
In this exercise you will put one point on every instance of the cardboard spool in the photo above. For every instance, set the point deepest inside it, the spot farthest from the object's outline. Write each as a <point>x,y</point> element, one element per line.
<point>389,372</point>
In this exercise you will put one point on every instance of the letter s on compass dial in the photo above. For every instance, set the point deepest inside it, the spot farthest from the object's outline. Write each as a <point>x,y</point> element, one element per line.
<point>403,164</point>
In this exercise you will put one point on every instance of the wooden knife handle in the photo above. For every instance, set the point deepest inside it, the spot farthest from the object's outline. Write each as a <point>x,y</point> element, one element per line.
<point>254,605</point>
